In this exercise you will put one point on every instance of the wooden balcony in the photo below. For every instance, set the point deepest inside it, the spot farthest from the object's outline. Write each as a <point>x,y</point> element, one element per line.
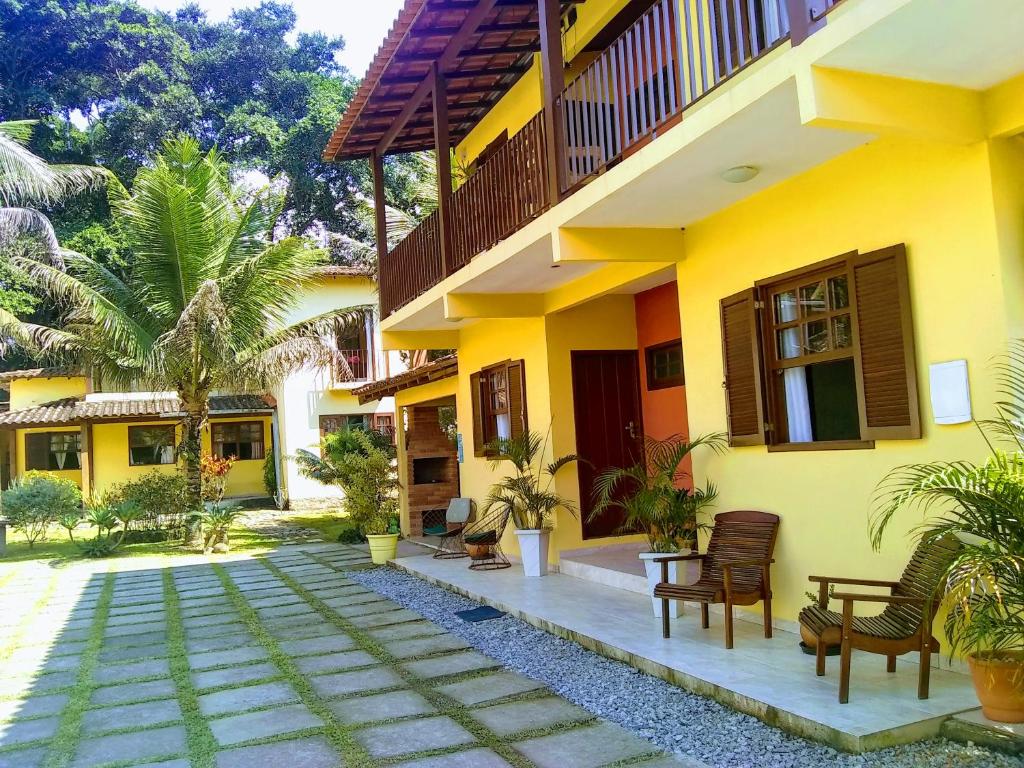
<point>639,86</point>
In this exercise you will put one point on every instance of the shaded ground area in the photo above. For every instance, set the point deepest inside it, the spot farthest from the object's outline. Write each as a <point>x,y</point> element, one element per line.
<point>275,661</point>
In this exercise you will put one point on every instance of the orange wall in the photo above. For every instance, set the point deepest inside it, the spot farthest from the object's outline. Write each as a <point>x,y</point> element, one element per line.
<point>657,321</point>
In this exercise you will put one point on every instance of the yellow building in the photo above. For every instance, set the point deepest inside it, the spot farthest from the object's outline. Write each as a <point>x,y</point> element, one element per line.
<point>57,422</point>
<point>815,210</point>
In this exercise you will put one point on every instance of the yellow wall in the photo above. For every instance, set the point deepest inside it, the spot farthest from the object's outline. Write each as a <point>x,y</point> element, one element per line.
<point>27,393</point>
<point>963,236</point>
<point>110,456</point>
<point>75,475</point>
<point>246,477</point>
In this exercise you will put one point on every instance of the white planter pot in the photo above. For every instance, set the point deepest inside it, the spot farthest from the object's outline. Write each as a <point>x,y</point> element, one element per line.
<point>533,549</point>
<point>679,572</point>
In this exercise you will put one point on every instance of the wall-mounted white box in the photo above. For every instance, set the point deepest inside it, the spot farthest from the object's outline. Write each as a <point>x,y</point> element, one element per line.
<point>951,392</point>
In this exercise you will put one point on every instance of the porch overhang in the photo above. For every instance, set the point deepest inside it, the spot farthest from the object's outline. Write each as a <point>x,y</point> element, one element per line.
<point>75,412</point>
<point>442,368</point>
<point>480,48</point>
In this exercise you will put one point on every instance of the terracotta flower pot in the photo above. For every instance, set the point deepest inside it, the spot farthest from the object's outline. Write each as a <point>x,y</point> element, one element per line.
<point>999,683</point>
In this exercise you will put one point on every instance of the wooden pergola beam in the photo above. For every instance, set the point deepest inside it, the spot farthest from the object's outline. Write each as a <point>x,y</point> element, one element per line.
<point>455,76</point>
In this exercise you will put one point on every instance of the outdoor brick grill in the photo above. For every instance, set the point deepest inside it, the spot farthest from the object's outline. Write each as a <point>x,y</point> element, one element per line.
<point>432,469</point>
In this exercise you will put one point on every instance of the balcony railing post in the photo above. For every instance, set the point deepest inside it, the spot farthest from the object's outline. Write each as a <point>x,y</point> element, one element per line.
<point>805,18</point>
<point>442,149</point>
<point>553,75</point>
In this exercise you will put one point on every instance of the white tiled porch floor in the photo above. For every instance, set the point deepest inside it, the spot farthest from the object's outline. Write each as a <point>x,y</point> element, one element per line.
<point>771,679</point>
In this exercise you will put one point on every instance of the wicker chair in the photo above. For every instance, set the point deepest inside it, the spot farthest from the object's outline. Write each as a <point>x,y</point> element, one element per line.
<point>451,545</point>
<point>905,625</point>
<point>734,571</point>
<point>483,541</point>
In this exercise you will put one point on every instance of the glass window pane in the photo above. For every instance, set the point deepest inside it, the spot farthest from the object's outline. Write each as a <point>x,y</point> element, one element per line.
<point>839,292</point>
<point>842,331</point>
<point>817,336</point>
<point>785,307</point>
<point>788,341</point>
<point>812,299</point>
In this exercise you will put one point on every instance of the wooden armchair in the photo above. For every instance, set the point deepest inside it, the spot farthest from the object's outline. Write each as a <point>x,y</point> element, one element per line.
<point>903,626</point>
<point>734,571</point>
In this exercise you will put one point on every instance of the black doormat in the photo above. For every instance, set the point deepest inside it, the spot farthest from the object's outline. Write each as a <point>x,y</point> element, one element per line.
<point>483,613</point>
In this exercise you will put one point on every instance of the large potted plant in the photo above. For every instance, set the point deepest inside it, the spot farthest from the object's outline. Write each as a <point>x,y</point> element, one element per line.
<point>371,493</point>
<point>655,498</point>
<point>529,495</point>
<point>982,505</point>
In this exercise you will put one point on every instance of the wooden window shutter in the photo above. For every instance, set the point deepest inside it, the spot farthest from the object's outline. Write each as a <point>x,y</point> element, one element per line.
<point>886,366</point>
<point>516,377</point>
<point>477,395</point>
<point>742,365</point>
<point>37,451</point>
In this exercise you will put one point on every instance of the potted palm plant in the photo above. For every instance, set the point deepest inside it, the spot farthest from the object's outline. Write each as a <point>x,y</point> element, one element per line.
<point>655,499</point>
<point>982,505</point>
<point>529,495</point>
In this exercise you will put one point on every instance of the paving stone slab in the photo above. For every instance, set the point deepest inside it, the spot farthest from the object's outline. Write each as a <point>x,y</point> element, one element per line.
<point>522,716</point>
<point>129,630</point>
<point>129,692</point>
<point>140,745</point>
<point>406,649</point>
<point>334,662</point>
<point>33,706</point>
<point>352,599</point>
<point>207,609</point>
<point>24,731</point>
<point>166,764</point>
<point>133,653</point>
<point>150,617</point>
<point>260,725</point>
<point>413,736</point>
<point>134,610</point>
<point>472,758</point>
<point>143,638</point>
<point>23,758</point>
<point>478,690</point>
<point>249,673</point>
<point>291,631</point>
<point>219,642</point>
<point>372,620</point>
<point>275,600</point>
<point>317,645</point>
<point>406,631</point>
<point>188,603</point>
<point>452,664</point>
<point>211,619</point>
<point>116,673</point>
<point>227,628</point>
<point>145,715</point>
<point>587,747</point>
<point>73,635</point>
<point>365,609</point>
<point>68,648</point>
<point>281,611</point>
<point>381,706</point>
<point>343,683</point>
<point>249,697</point>
<point>210,659</point>
<point>312,752</point>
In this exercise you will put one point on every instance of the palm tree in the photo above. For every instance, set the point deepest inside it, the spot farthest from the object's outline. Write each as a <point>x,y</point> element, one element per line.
<point>206,305</point>
<point>27,181</point>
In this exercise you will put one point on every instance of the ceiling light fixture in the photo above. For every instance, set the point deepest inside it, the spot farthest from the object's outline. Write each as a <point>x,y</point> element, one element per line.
<point>740,174</point>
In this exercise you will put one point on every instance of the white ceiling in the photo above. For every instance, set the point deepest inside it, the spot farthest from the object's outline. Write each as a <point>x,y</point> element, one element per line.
<point>968,43</point>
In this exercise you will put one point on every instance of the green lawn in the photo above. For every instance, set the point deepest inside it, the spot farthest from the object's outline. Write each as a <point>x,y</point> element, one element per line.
<point>56,546</point>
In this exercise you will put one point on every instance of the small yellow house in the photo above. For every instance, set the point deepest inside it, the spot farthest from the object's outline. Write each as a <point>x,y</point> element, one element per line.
<point>57,422</point>
<point>793,222</point>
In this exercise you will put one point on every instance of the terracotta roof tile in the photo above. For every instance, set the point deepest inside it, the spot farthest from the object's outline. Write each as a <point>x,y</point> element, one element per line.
<point>75,411</point>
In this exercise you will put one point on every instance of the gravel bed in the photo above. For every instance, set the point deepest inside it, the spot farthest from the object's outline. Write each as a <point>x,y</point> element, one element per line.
<point>676,720</point>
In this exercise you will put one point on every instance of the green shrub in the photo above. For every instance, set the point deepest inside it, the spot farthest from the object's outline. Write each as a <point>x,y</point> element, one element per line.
<point>351,535</point>
<point>216,521</point>
<point>270,476</point>
<point>331,467</point>
<point>371,490</point>
<point>162,498</point>
<point>37,500</point>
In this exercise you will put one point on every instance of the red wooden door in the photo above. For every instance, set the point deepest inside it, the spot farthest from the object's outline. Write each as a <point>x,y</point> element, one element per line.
<point>609,426</point>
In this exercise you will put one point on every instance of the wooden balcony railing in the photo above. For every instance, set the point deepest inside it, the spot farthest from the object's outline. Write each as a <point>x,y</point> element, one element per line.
<point>509,190</point>
<point>637,87</point>
<point>412,266</point>
<point>644,80</point>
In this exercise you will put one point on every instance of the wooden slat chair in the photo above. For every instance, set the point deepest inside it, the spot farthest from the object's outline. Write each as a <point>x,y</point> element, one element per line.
<point>451,532</point>
<point>486,534</point>
<point>905,625</point>
<point>734,571</point>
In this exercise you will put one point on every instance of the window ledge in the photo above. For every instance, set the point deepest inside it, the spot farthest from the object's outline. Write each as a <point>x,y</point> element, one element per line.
<point>825,445</point>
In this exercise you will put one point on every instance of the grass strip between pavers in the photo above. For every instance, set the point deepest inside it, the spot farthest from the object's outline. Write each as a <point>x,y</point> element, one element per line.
<point>352,752</point>
<point>443,704</point>
<point>202,747</point>
<point>68,734</point>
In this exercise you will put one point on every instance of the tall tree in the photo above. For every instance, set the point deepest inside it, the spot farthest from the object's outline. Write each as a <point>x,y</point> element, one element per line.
<point>206,302</point>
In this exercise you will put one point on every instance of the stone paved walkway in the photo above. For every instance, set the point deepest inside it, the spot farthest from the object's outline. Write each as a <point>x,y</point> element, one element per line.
<point>278,661</point>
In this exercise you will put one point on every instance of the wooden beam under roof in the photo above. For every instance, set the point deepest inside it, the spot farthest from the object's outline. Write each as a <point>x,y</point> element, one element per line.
<point>467,75</point>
